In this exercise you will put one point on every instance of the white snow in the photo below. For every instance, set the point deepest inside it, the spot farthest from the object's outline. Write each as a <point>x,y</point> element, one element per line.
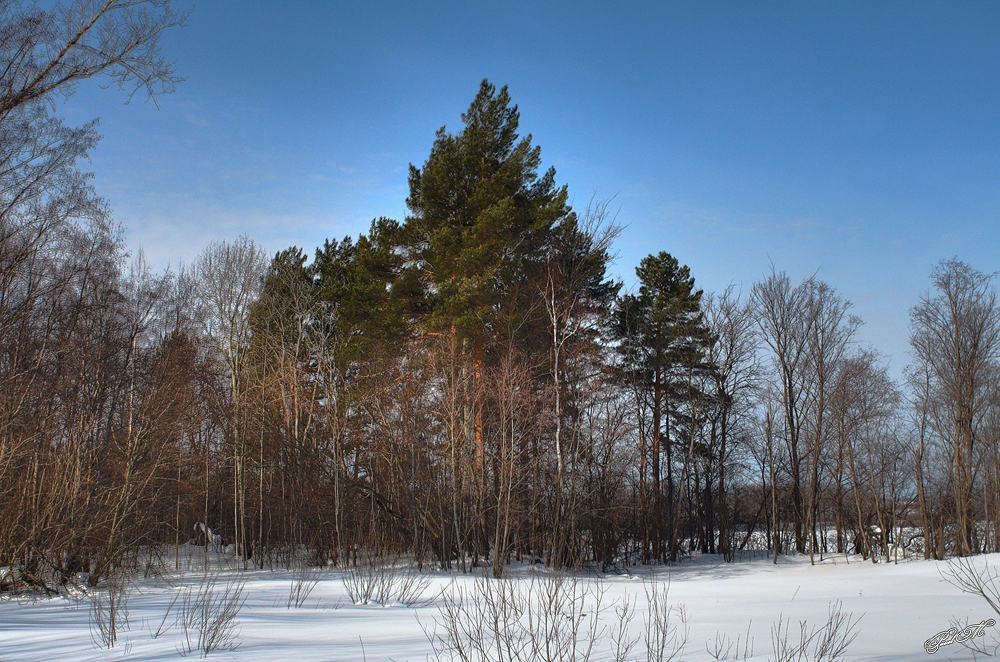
<point>902,605</point>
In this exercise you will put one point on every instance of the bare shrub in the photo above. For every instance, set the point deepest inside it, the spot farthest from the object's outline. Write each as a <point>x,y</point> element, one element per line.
<point>664,639</point>
<point>10,579</point>
<point>360,582</point>
<point>553,618</point>
<point>786,649</point>
<point>557,606</point>
<point>207,614</point>
<point>836,635</point>
<point>163,627</point>
<point>509,621</point>
<point>109,610</point>
<point>385,582</point>
<point>824,644</point>
<point>408,588</point>
<point>725,648</point>
<point>304,580</point>
<point>971,636</point>
<point>484,623</point>
<point>964,574</point>
<point>622,642</point>
<point>153,561</point>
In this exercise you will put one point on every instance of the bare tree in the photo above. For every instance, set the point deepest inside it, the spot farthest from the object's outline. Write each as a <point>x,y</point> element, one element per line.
<point>576,296</point>
<point>732,354</point>
<point>47,52</point>
<point>230,277</point>
<point>64,308</point>
<point>52,50</point>
<point>780,314</point>
<point>955,336</point>
<point>830,332</point>
<point>808,329</point>
<point>863,408</point>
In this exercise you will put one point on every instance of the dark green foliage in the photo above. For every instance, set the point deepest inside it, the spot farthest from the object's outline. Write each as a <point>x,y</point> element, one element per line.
<point>480,214</point>
<point>287,293</point>
<point>661,328</point>
<point>661,340</point>
<point>355,295</point>
<point>367,295</point>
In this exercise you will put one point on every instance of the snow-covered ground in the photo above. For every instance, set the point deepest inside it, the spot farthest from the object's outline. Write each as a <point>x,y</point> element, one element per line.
<point>902,606</point>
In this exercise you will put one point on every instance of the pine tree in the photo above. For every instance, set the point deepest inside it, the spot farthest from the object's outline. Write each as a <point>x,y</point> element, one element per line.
<point>479,217</point>
<point>661,335</point>
<point>365,295</point>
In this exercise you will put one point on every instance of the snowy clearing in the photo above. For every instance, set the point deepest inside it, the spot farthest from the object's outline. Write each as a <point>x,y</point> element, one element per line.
<point>902,606</point>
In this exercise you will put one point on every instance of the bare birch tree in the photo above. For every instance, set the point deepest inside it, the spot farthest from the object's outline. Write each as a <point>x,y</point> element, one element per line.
<point>230,277</point>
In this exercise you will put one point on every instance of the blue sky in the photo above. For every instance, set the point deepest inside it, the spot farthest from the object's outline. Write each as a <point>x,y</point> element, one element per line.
<point>859,141</point>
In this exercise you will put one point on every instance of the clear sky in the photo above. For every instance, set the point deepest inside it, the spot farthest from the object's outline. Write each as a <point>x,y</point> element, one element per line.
<point>856,140</point>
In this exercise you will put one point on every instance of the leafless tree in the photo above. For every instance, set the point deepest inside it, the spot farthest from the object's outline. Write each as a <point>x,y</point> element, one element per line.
<point>780,313</point>
<point>575,295</point>
<point>864,411</point>
<point>830,331</point>
<point>52,50</point>
<point>955,336</point>
<point>733,355</point>
<point>808,330</point>
<point>229,278</point>
<point>74,354</point>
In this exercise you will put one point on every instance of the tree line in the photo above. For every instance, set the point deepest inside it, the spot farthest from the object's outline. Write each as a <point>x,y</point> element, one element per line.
<point>467,387</point>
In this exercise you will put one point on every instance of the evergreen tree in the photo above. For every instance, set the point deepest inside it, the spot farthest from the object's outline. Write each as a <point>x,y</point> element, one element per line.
<point>661,336</point>
<point>479,218</point>
<point>365,294</point>
<point>479,212</point>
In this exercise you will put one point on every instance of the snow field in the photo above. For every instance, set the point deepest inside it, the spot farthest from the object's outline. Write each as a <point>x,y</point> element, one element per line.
<point>900,607</point>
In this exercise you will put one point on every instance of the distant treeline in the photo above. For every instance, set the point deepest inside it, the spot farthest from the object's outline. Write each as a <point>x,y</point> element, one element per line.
<point>466,387</point>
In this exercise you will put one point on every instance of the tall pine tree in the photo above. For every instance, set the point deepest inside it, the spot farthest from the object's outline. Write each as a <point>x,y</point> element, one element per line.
<point>661,335</point>
<point>479,217</point>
